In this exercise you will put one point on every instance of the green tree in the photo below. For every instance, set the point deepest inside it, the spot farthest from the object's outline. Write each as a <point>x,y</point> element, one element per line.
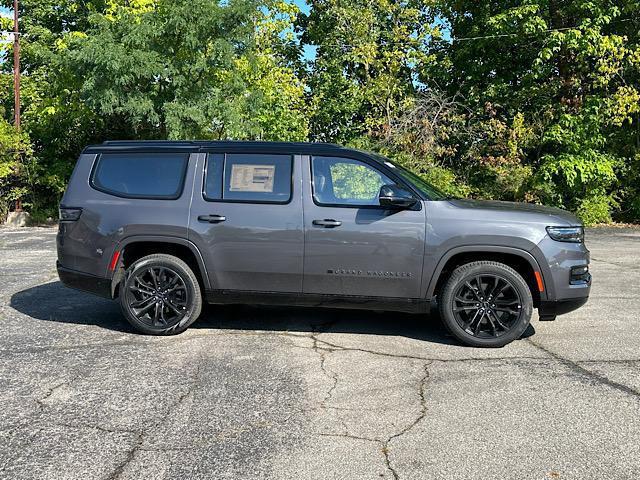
<point>273,103</point>
<point>15,164</point>
<point>152,69</point>
<point>53,115</point>
<point>569,70</point>
<point>366,55</point>
<point>160,69</point>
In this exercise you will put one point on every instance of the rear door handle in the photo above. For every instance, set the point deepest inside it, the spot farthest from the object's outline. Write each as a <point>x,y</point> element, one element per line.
<point>327,223</point>
<point>212,218</point>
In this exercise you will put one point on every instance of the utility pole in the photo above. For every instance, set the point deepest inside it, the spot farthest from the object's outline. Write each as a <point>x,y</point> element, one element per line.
<point>16,79</point>
<point>16,64</point>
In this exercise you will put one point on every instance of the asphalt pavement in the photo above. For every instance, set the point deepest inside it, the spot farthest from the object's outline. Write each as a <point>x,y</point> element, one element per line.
<point>290,393</point>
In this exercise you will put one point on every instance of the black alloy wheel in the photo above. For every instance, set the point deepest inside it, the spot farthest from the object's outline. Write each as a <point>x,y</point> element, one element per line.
<point>485,304</point>
<point>160,295</point>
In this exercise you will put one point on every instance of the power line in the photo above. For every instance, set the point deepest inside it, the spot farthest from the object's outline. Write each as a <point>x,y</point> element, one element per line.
<point>503,35</point>
<point>451,40</point>
<point>482,37</point>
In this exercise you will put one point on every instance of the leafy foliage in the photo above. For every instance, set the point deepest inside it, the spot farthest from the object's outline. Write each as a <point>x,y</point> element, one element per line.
<point>15,164</point>
<point>536,100</point>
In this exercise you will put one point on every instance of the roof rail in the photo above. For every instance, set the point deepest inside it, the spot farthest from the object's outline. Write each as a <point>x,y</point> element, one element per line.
<point>149,142</point>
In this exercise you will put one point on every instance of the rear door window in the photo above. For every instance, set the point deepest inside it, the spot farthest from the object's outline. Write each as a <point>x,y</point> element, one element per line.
<point>253,178</point>
<point>141,175</point>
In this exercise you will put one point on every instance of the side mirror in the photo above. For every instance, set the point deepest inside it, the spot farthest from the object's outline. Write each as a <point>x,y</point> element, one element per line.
<point>396,197</point>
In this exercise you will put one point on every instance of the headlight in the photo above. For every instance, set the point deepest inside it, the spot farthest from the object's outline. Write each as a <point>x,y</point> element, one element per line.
<point>566,234</point>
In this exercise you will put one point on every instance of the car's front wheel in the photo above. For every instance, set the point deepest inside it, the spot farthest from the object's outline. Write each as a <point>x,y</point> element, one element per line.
<point>486,304</point>
<point>160,295</point>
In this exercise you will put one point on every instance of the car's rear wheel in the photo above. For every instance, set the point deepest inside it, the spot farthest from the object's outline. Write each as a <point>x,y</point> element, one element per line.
<point>486,304</point>
<point>160,295</point>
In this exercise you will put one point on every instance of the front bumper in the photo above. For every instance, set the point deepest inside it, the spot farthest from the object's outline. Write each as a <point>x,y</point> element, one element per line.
<point>550,309</point>
<point>84,281</point>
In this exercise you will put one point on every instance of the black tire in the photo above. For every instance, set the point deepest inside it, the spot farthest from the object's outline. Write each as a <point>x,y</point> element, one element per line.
<point>479,317</point>
<point>160,295</point>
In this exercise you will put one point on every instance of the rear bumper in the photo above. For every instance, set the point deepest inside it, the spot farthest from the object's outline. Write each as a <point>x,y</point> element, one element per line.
<point>84,281</point>
<point>559,307</point>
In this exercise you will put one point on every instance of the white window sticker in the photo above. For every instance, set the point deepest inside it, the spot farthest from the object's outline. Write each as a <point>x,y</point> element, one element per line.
<point>252,178</point>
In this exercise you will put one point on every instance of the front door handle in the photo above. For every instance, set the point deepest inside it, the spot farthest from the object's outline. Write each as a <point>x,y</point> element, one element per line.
<point>212,218</point>
<point>327,223</point>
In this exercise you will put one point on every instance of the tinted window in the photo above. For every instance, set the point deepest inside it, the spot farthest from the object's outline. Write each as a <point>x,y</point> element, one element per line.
<point>142,175</point>
<point>343,181</point>
<point>416,181</point>
<point>213,177</point>
<point>249,177</point>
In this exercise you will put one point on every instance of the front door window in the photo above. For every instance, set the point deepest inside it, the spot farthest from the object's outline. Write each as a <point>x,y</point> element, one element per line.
<point>346,182</point>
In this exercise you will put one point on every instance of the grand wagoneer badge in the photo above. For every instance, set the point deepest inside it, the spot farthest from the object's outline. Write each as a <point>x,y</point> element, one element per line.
<point>368,273</point>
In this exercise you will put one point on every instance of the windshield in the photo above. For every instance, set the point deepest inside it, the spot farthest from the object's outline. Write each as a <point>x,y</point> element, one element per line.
<point>424,187</point>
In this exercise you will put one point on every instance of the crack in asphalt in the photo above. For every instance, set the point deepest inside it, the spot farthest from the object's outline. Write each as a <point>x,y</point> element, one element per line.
<point>385,445</point>
<point>377,441</point>
<point>330,375</point>
<point>41,406</point>
<point>141,434</point>
<point>336,347</point>
<point>422,414</point>
<point>41,401</point>
<point>320,345</point>
<point>583,372</point>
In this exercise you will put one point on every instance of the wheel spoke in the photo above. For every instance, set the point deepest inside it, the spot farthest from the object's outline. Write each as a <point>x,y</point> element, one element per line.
<point>141,303</point>
<point>133,288</point>
<point>465,309</point>
<point>162,319</point>
<point>479,322</point>
<point>473,290</point>
<point>495,292</point>
<point>156,313</point>
<point>178,309</point>
<point>175,288</point>
<point>507,310</point>
<point>153,277</point>
<point>499,322</point>
<point>144,310</point>
<point>161,277</point>
<point>173,281</point>
<point>473,319</point>
<point>462,300</point>
<point>505,303</point>
<point>146,285</point>
<point>479,284</point>
<point>492,324</point>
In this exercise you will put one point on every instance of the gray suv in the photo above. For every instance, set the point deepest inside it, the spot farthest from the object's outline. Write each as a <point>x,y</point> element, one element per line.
<point>164,226</point>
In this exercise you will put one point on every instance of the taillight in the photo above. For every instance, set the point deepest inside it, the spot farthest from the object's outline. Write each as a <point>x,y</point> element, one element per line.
<point>69,214</point>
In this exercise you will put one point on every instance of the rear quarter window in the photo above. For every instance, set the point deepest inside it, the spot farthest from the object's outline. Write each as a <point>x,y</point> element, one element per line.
<point>141,175</point>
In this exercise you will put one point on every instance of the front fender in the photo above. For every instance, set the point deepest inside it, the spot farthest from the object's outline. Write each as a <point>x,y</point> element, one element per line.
<point>536,265</point>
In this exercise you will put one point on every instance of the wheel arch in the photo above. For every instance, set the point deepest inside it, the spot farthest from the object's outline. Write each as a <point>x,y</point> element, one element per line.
<point>138,246</point>
<point>520,260</point>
